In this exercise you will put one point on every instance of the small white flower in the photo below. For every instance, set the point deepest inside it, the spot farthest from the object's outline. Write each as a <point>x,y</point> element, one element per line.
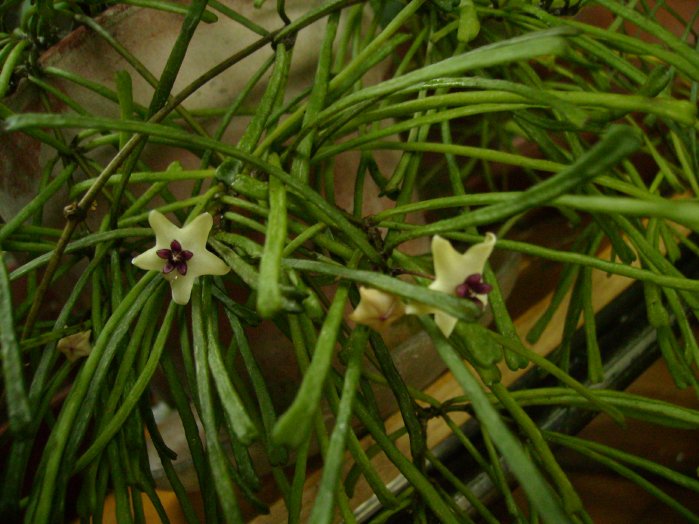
<point>458,274</point>
<point>75,346</point>
<point>180,254</point>
<point>377,309</point>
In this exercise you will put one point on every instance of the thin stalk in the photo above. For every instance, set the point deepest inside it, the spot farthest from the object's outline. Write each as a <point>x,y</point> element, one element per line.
<point>571,500</point>
<point>293,426</point>
<point>531,480</point>
<point>218,462</point>
<point>20,416</point>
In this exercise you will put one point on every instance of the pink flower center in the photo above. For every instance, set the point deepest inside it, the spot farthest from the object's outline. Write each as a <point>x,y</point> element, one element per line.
<point>175,257</point>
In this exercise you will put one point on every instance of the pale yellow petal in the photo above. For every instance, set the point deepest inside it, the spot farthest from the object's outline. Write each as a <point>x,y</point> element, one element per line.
<point>448,266</point>
<point>181,288</point>
<point>477,255</point>
<point>379,300</point>
<point>377,309</point>
<point>149,260</point>
<point>165,231</point>
<point>483,298</point>
<point>446,323</point>
<point>418,308</point>
<point>206,263</point>
<point>193,236</point>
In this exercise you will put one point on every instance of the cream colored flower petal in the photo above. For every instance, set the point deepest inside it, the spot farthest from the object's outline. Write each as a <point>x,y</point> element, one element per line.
<point>165,231</point>
<point>477,255</point>
<point>418,308</point>
<point>445,323</point>
<point>377,309</point>
<point>367,309</point>
<point>149,260</point>
<point>181,288</point>
<point>378,300</point>
<point>448,266</point>
<point>193,236</point>
<point>206,263</point>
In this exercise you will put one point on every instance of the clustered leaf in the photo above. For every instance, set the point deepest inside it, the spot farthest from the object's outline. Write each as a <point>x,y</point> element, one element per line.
<point>484,116</point>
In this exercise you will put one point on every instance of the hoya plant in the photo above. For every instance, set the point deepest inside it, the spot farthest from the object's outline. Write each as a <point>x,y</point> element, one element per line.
<point>342,259</point>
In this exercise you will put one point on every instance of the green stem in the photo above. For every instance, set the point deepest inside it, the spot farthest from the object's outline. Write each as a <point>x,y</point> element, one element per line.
<point>269,295</point>
<point>407,468</point>
<point>323,506</point>
<point>115,328</point>
<point>530,478</point>
<point>222,481</point>
<point>293,426</point>
<point>131,397</point>
<point>20,416</point>
<point>589,450</point>
<point>406,404</point>
<point>9,66</point>
<point>571,500</point>
<point>618,143</point>
<point>233,408</point>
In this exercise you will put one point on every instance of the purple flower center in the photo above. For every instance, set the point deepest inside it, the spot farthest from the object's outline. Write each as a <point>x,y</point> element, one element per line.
<point>472,287</point>
<point>175,257</point>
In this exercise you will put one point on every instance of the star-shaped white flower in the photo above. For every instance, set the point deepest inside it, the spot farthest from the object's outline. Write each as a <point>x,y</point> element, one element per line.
<point>75,346</point>
<point>377,309</point>
<point>458,274</point>
<point>180,254</point>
